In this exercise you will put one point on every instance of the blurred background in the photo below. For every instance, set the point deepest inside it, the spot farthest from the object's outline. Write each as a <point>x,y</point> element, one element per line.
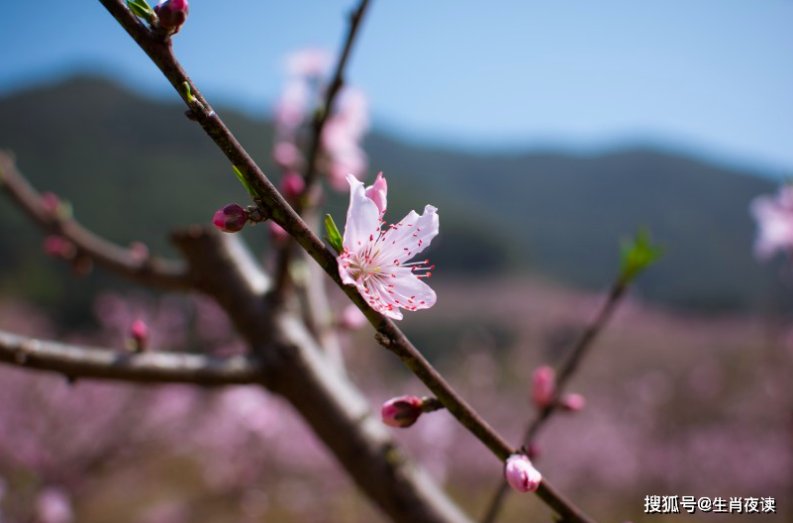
<point>545,134</point>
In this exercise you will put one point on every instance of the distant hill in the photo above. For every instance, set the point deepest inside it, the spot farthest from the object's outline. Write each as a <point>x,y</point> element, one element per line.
<point>136,168</point>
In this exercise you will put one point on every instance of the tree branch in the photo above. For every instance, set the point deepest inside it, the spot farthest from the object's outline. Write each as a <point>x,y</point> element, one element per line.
<point>149,367</point>
<point>336,83</point>
<point>151,271</point>
<point>321,117</point>
<point>299,370</point>
<point>566,371</point>
<point>161,54</point>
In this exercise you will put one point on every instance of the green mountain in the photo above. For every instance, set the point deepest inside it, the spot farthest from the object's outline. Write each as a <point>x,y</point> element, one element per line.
<point>136,168</point>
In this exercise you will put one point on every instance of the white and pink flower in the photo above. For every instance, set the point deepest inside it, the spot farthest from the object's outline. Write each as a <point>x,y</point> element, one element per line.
<point>376,259</point>
<point>774,217</point>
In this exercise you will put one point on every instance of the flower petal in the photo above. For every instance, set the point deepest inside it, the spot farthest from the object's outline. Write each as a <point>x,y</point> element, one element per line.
<point>410,292</point>
<point>382,299</point>
<point>363,218</point>
<point>410,236</point>
<point>378,193</point>
<point>343,260</point>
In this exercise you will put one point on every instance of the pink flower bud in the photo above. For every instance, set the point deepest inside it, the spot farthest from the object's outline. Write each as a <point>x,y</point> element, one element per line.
<point>378,193</point>
<point>292,186</point>
<point>521,474</point>
<point>402,411</point>
<point>352,318</point>
<point>278,235</point>
<point>139,333</point>
<point>543,386</point>
<point>139,252</point>
<point>51,202</point>
<point>59,247</point>
<point>572,402</point>
<point>231,218</point>
<point>287,155</point>
<point>171,15</point>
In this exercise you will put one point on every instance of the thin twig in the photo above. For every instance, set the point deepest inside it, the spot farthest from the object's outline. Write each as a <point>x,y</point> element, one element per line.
<point>566,371</point>
<point>155,272</point>
<point>161,54</point>
<point>321,116</point>
<point>100,363</point>
<point>336,83</point>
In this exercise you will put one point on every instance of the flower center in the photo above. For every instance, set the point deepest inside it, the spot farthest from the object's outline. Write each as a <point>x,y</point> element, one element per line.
<point>362,267</point>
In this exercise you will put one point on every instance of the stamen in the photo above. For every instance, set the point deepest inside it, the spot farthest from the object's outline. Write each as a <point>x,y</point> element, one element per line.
<point>421,268</point>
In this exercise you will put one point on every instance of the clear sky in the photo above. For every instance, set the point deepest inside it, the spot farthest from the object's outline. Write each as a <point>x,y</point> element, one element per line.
<point>713,76</point>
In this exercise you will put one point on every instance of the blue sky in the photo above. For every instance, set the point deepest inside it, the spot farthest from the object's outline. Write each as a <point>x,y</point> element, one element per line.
<point>710,76</point>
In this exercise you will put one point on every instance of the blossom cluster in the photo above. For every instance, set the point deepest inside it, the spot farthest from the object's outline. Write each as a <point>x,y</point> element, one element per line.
<point>340,150</point>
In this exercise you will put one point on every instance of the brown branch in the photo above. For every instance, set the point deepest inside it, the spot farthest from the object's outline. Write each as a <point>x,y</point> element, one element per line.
<point>150,367</point>
<point>575,356</point>
<point>300,370</point>
<point>161,54</point>
<point>155,272</point>
<point>321,116</point>
<point>566,371</point>
<point>336,83</point>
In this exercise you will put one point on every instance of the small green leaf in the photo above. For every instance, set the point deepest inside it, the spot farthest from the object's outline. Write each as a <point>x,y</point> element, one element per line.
<point>243,181</point>
<point>189,93</point>
<point>637,254</point>
<point>65,210</point>
<point>334,237</point>
<point>141,9</point>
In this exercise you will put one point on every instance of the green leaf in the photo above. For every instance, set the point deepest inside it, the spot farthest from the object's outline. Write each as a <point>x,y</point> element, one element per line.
<point>141,9</point>
<point>244,181</point>
<point>65,210</point>
<point>189,93</point>
<point>334,237</point>
<point>637,254</point>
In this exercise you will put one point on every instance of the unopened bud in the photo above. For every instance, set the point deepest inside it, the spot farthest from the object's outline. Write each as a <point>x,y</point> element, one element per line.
<point>352,318</point>
<point>51,202</point>
<point>521,474</point>
<point>139,335</point>
<point>402,411</point>
<point>139,252</point>
<point>543,386</point>
<point>231,218</point>
<point>292,186</point>
<point>572,402</point>
<point>59,247</point>
<point>171,15</point>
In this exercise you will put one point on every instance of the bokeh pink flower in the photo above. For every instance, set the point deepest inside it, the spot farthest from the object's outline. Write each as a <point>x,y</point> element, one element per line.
<point>774,216</point>
<point>340,150</point>
<point>543,386</point>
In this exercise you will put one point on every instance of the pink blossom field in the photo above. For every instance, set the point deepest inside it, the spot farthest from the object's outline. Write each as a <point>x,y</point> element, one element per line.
<point>676,404</point>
